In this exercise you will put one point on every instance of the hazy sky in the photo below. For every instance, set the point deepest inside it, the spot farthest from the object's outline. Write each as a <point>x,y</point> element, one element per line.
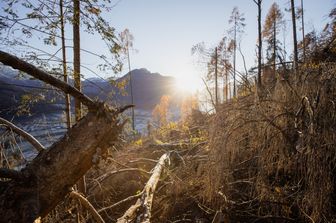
<point>165,30</point>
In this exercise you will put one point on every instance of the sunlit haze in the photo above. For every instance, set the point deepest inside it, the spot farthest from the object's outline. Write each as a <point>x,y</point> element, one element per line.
<point>165,31</point>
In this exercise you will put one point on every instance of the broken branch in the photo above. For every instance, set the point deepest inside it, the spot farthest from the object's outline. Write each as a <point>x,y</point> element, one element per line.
<point>144,204</point>
<point>16,63</point>
<point>88,206</point>
<point>31,139</point>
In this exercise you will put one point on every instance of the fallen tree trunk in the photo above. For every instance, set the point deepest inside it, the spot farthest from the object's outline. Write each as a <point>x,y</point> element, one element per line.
<point>50,176</point>
<point>141,210</point>
<point>44,182</point>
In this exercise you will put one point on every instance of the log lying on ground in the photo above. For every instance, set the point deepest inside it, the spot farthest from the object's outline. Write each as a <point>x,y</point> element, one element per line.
<point>50,176</point>
<point>141,210</point>
<point>43,183</point>
<point>34,142</point>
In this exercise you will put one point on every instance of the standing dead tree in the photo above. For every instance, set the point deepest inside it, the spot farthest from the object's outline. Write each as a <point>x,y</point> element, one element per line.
<point>43,183</point>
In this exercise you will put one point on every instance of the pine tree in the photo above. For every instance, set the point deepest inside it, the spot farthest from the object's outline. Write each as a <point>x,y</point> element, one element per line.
<point>273,22</point>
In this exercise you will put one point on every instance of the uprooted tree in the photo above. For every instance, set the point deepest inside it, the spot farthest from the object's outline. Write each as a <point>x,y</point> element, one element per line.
<point>37,188</point>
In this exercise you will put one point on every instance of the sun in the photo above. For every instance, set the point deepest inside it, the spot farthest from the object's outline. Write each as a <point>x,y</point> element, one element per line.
<point>187,83</point>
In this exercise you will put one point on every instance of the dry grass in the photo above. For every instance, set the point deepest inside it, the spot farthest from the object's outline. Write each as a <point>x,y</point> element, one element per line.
<point>267,159</point>
<point>274,157</point>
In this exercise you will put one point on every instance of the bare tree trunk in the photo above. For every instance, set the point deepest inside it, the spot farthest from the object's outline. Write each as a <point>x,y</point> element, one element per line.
<point>216,77</point>
<point>131,85</point>
<point>227,85</point>
<point>294,36</point>
<point>258,2</point>
<point>234,59</point>
<point>64,63</point>
<point>274,46</point>
<point>77,78</point>
<point>76,53</point>
<point>303,33</point>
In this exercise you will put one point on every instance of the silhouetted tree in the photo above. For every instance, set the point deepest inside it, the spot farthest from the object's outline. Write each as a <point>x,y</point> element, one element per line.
<point>294,35</point>
<point>274,20</point>
<point>258,2</point>
<point>237,21</point>
<point>127,42</point>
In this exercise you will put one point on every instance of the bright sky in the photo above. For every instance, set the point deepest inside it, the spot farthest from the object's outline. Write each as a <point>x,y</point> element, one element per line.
<point>165,31</point>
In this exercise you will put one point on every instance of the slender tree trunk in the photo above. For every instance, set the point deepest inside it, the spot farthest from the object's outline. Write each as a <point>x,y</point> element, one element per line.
<point>227,85</point>
<point>274,46</point>
<point>216,77</point>
<point>77,80</point>
<point>234,59</point>
<point>76,55</point>
<point>131,85</point>
<point>303,33</point>
<point>260,43</point>
<point>65,75</point>
<point>225,93</point>
<point>294,36</point>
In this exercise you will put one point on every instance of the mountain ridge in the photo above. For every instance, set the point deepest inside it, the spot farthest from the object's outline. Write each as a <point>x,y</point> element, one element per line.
<point>147,90</point>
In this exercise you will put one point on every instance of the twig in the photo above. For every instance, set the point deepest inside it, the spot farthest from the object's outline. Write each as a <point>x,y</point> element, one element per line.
<point>108,174</point>
<point>88,206</point>
<point>34,142</point>
<point>122,201</point>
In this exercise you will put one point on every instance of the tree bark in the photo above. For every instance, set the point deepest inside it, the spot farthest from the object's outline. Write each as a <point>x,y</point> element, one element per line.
<point>259,43</point>
<point>216,77</point>
<point>274,44</point>
<point>303,33</point>
<point>76,53</point>
<point>50,176</point>
<point>234,59</point>
<point>64,63</point>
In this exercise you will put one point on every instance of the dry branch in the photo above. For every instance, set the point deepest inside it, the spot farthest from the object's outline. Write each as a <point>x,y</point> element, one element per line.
<point>103,177</point>
<point>31,139</point>
<point>142,208</point>
<point>120,202</point>
<point>30,69</point>
<point>108,174</point>
<point>88,206</point>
